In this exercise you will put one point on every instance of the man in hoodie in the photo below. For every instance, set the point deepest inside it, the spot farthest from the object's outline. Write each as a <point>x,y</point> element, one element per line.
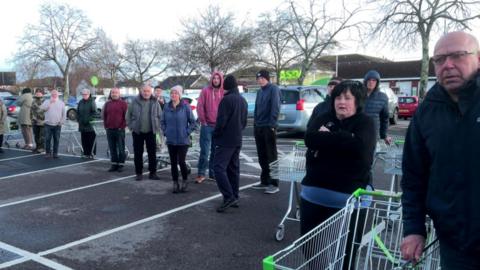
<point>207,108</point>
<point>376,105</point>
<point>143,119</point>
<point>267,109</point>
<point>441,168</point>
<point>231,121</point>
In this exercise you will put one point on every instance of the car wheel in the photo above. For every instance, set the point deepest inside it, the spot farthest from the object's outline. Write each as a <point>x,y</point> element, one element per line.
<point>72,114</point>
<point>394,119</point>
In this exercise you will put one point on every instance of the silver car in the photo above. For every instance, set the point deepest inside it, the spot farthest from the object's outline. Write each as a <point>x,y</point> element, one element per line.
<point>297,106</point>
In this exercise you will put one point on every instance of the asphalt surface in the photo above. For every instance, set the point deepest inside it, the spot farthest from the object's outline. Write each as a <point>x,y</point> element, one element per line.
<point>70,213</point>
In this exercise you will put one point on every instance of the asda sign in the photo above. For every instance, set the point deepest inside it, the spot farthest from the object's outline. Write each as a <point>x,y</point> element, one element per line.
<point>287,75</point>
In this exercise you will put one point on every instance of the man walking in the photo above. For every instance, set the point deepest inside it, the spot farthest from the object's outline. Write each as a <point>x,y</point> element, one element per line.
<point>113,114</point>
<point>143,119</point>
<point>207,108</point>
<point>231,120</point>
<point>267,108</point>
<point>441,165</point>
<point>54,119</point>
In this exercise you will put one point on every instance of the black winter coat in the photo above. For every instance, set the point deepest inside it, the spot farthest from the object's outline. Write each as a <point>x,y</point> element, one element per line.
<point>441,168</point>
<point>339,160</point>
<point>86,110</point>
<point>231,120</point>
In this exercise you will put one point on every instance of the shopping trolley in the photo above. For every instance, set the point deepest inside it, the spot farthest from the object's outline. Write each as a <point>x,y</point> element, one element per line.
<point>290,168</point>
<point>70,135</point>
<point>392,156</point>
<point>12,136</point>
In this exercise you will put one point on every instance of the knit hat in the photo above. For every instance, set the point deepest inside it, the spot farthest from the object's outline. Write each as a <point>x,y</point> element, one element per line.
<point>40,90</point>
<point>230,83</point>
<point>263,73</point>
<point>372,74</point>
<point>177,88</point>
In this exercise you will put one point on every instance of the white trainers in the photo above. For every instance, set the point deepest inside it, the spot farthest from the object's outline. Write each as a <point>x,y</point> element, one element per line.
<point>271,189</point>
<point>260,186</point>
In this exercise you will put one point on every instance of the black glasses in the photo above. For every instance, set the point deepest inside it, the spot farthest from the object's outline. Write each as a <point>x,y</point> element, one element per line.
<point>454,56</point>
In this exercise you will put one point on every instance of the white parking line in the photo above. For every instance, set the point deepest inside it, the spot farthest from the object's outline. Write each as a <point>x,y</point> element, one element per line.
<point>5,159</point>
<point>27,256</point>
<point>49,169</point>
<point>138,222</point>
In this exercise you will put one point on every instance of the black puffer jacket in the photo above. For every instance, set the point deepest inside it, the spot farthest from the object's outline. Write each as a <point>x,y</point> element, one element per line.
<point>231,119</point>
<point>441,168</point>
<point>339,160</point>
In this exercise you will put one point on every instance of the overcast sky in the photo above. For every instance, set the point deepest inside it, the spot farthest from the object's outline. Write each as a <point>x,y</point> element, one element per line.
<point>144,19</point>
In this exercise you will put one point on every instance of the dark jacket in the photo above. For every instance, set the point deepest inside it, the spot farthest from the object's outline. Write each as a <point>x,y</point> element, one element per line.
<point>441,167</point>
<point>267,106</point>
<point>231,119</point>
<point>376,106</point>
<point>134,114</point>
<point>113,114</point>
<point>177,123</point>
<point>339,160</point>
<point>86,110</point>
<point>321,108</point>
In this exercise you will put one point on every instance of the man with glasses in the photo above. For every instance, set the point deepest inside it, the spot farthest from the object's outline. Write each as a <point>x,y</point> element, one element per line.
<point>325,105</point>
<point>441,164</point>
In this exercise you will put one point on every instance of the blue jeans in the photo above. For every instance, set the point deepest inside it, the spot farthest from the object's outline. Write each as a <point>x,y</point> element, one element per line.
<point>52,132</point>
<point>207,148</point>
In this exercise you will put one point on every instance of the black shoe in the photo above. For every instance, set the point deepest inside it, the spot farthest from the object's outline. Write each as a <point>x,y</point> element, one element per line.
<point>139,177</point>
<point>225,205</point>
<point>113,168</point>
<point>235,204</point>
<point>176,187</point>
<point>120,168</point>
<point>153,176</point>
<point>55,156</point>
<point>184,186</point>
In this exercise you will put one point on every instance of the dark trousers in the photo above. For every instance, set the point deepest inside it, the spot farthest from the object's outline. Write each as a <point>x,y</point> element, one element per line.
<point>311,215</point>
<point>177,154</point>
<point>1,140</point>
<point>116,145</point>
<point>266,141</point>
<point>39,135</point>
<point>52,132</point>
<point>226,164</point>
<point>139,140</point>
<point>88,142</point>
<point>453,259</point>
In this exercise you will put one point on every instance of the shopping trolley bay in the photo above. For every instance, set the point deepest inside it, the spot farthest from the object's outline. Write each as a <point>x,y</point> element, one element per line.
<point>70,213</point>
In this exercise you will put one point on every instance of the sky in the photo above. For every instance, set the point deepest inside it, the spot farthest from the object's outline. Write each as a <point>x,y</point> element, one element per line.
<point>147,19</point>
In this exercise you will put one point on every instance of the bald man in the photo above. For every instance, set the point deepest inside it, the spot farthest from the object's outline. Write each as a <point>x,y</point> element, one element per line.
<point>441,160</point>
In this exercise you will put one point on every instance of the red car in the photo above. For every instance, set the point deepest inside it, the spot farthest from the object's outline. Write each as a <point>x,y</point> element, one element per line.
<point>407,106</point>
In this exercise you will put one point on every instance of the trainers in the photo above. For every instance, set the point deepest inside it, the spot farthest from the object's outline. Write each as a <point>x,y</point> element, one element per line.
<point>271,189</point>
<point>153,176</point>
<point>225,205</point>
<point>139,177</point>
<point>260,186</point>
<point>199,179</point>
<point>48,155</point>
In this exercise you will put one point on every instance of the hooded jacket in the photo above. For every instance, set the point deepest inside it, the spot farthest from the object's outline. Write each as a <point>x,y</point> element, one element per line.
<point>208,102</point>
<point>231,120</point>
<point>441,167</point>
<point>267,106</point>
<point>376,106</point>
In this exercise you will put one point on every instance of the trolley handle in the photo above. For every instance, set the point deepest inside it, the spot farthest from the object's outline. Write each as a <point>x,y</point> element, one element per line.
<point>300,143</point>
<point>361,192</point>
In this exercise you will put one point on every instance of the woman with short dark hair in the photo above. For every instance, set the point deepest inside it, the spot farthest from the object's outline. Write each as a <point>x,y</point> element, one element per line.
<point>340,149</point>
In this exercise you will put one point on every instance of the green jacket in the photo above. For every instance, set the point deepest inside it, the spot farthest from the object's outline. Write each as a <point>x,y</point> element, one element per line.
<point>86,109</point>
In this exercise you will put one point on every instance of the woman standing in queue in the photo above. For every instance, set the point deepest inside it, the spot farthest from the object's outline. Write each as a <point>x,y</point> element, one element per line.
<point>340,146</point>
<point>177,125</point>
<point>86,110</point>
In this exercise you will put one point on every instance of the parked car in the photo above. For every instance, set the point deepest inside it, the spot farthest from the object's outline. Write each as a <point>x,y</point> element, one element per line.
<point>407,106</point>
<point>11,105</point>
<point>392,104</point>
<point>297,106</point>
<point>192,101</point>
<point>72,105</point>
<point>250,98</point>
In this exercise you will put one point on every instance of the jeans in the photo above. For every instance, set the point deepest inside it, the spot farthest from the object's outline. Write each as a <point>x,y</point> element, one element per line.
<point>266,141</point>
<point>116,145</point>
<point>139,139</point>
<point>227,171</point>
<point>207,148</point>
<point>52,132</point>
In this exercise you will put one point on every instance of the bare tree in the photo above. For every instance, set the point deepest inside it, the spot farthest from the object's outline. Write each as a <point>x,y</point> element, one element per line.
<point>144,60</point>
<point>181,63</point>
<point>315,29</point>
<point>273,45</point>
<point>106,57</point>
<point>63,34</point>
<point>216,43</point>
<point>31,68</point>
<point>406,20</point>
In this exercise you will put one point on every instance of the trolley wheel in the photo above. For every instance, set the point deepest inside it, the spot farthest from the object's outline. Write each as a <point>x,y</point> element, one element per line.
<point>280,233</point>
<point>297,213</point>
<point>17,145</point>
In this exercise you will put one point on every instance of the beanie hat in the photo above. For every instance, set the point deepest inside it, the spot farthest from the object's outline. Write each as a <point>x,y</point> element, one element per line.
<point>263,73</point>
<point>230,83</point>
<point>372,74</point>
<point>40,90</point>
<point>177,88</point>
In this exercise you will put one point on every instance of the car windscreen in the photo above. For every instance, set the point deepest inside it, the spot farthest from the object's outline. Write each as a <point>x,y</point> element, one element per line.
<point>250,97</point>
<point>9,101</point>
<point>406,100</point>
<point>289,96</point>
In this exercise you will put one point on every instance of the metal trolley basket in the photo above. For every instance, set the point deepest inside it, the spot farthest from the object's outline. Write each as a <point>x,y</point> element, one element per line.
<point>375,239</point>
<point>290,168</point>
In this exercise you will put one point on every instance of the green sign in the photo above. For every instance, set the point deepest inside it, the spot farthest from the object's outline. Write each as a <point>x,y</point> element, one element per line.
<point>287,75</point>
<point>94,80</point>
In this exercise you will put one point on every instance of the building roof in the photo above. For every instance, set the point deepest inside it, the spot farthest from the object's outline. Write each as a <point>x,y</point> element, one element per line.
<point>188,82</point>
<point>391,70</point>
